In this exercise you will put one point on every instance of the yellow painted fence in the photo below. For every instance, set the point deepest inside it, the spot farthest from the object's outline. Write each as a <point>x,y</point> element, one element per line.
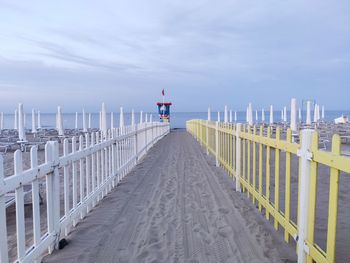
<point>245,152</point>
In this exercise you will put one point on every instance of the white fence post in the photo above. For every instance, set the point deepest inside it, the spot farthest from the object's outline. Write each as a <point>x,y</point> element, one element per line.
<point>3,226</point>
<point>88,169</point>
<point>305,172</point>
<point>217,144</point>
<point>238,157</point>
<point>20,220</point>
<point>53,193</point>
<point>35,198</point>
<point>66,183</point>
<point>136,150</point>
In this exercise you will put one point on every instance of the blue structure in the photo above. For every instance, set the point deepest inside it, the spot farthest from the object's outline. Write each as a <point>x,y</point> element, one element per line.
<point>164,111</point>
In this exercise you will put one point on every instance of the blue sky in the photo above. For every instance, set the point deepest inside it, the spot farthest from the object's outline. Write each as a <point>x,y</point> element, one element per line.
<point>204,53</point>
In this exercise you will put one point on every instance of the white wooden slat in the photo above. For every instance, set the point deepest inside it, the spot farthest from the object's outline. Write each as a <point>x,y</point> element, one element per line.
<point>20,220</point>
<point>56,190</point>
<point>81,176</point>
<point>98,165</point>
<point>35,198</point>
<point>93,168</point>
<point>3,226</point>
<point>74,178</point>
<point>49,194</point>
<point>87,169</point>
<point>66,185</point>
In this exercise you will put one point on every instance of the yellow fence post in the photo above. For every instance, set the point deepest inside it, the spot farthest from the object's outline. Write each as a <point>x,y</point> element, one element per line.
<point>238,157</point>
<point>304,192</point>
<point>333,202</point>
<point>207,137</point>
<point>217,144</point>
<point>277,176</point>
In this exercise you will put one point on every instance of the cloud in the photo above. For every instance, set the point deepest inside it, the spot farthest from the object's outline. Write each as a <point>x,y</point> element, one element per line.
<point>229,52</point>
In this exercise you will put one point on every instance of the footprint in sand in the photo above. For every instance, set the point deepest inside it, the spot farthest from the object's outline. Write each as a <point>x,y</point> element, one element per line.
<point>223,211</point>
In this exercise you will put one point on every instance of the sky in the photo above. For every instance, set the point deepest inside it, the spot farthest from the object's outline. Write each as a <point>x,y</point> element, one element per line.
<point>203,53</point>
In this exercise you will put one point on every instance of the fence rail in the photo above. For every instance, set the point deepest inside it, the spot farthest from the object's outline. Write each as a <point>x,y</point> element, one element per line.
<point>245,152</point>
<point>74,183</point>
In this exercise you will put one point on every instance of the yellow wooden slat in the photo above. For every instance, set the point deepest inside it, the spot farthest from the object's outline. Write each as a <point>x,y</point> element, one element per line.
<point>332,160</point>
<point>260,167</point>
<point>287,185</point>
<point>254,163</point>
<point>282,145</point>
<point>333,203</point>
<point>277,177</point>
<point>248,161</point>
<point>267,166</point>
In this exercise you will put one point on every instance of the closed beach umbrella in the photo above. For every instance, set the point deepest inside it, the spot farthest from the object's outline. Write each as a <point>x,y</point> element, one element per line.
<point>271,114</point>
<point>24,120</point>
<point>285,114</point>
<point>250,114</point>
<point>293,114</point>
<point>33,121</point>
<point>300,115</point>
<point>256,116</point>
<point>263,116</point>
<point>104,120</point>
<point>112,120</point>
<point>132,117</point>
<point>209,115</point>
<point>150,118</point>
<point>235,116</point>
<point>100,120</point>
<point>230,116</point>
<point>308,113</point>
<point>322,112</point>
<point>39,120</point>
<point>89,124</point>
<point>315,113</point>
<point>84,121</point>
<point>121,118</point>
<point>225,115</point>
<point>218,116</point>
<point>21,132</point>
<point>59,121</point>
<point>141,116</point>
<point>76,120</point>
<point>146,117</point>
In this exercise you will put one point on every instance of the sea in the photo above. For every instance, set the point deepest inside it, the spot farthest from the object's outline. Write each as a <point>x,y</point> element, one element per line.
<point>177,119</point>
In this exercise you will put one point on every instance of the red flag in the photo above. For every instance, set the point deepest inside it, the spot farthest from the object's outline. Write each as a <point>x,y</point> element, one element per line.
<point>163,92</point>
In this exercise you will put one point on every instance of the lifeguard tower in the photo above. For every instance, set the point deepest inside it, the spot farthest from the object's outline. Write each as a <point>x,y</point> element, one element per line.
<point>164,109</point>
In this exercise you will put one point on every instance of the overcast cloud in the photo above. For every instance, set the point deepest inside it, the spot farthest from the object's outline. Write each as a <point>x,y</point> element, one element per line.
<point>80,53</point>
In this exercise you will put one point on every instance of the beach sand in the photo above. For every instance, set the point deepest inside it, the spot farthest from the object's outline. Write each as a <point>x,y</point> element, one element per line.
<point>175,206</point>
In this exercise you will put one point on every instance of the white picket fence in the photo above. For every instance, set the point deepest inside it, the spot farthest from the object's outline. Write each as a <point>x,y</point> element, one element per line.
<point>77,181</point>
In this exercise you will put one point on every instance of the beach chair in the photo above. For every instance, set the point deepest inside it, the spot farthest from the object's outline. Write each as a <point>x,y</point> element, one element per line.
<point>5,146</point>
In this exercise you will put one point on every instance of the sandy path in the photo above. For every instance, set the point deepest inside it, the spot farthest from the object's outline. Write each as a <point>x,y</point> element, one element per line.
<point>175,206</point>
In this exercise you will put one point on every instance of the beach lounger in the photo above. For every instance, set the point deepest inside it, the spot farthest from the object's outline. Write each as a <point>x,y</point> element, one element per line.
<point>5,146</point>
